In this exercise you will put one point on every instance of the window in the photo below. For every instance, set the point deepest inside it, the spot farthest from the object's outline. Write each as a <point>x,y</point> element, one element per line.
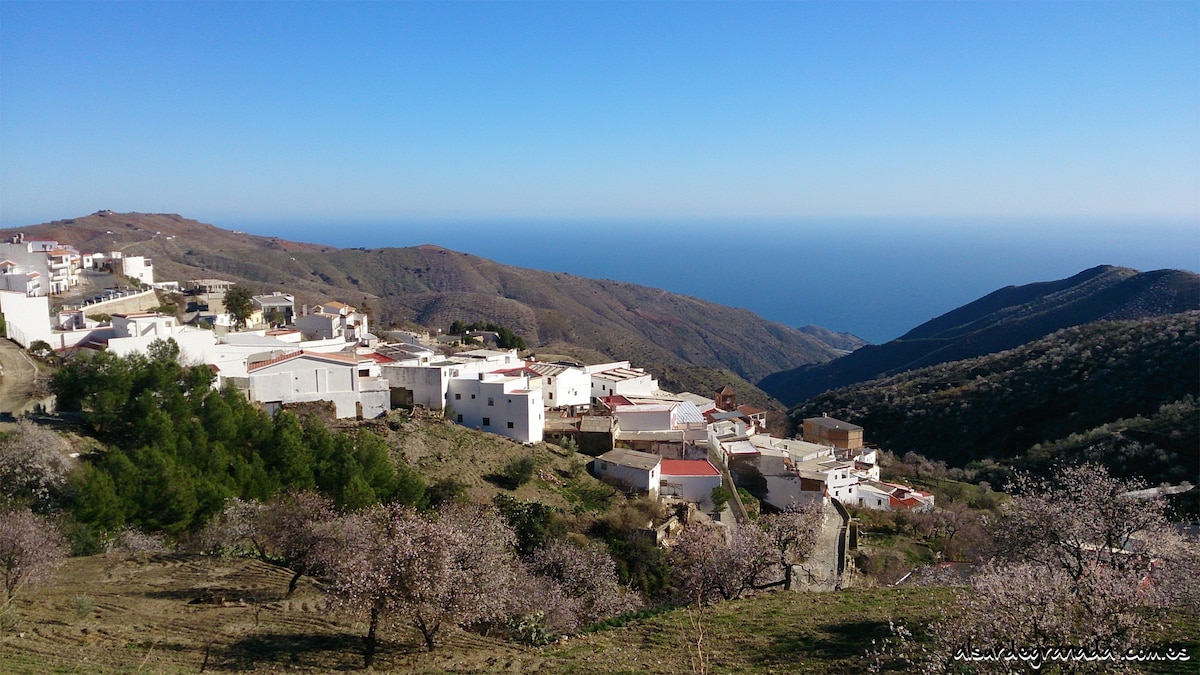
<point>460,419</point>
<point>487,421</point>
<point>491,401</point>
<point>510,425</point>
<point>458,397</point>
<point>472,397</point>
<point>551,396</point>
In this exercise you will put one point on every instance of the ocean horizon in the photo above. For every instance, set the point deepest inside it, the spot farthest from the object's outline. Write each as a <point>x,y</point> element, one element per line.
<point>876,279</point>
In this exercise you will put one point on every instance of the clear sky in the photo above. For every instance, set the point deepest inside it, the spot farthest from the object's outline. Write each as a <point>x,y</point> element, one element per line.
<point>268,111</point>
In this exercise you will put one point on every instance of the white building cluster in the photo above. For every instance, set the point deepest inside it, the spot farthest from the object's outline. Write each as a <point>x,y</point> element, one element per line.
<point>645,438</point>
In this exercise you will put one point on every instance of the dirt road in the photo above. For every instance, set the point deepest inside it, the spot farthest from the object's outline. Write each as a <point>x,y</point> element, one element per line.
<point>17,378</point>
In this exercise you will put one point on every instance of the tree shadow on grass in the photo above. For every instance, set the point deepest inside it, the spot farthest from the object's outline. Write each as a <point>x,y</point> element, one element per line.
<point>288,650</point>
<point>846,640</point>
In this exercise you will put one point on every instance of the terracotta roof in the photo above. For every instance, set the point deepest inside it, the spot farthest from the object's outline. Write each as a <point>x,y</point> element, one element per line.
<point>292,355</point>
<point>688,467</point>
<point>750,410</point>
<point>614,401</point>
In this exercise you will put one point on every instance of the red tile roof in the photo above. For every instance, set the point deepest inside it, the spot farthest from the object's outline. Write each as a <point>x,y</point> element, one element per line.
<point>291,355</point>
<point>688,467</point>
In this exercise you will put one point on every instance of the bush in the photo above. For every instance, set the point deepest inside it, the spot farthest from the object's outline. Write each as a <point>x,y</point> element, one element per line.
<point>720,497</point>
<point>518,472</point>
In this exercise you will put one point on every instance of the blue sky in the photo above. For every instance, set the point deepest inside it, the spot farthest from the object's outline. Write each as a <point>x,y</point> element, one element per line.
<point>230,112</point>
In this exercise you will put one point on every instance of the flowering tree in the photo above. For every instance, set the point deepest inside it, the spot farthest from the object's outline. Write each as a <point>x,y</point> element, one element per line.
<point>1079,564</point>
<point>34,466</point>
<point>573,587</point>
<point>793,535</point>
<point>30,548</point>
<point>454,567</point>
<point>289,531</point>
<point>704,564</point>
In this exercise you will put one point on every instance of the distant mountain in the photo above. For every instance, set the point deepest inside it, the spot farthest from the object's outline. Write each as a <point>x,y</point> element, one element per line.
<point>1001,320</point>
<point>693,342</point>
<point>1120,392</point>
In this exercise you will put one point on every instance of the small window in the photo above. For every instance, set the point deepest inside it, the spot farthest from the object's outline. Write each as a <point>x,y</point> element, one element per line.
<point>510,425</point>
<point>472,397</point>
<point>460,419</point>
<point>551,396</point>
<point>491,401</point>
<point>487,421</point>
<point>458,397</point>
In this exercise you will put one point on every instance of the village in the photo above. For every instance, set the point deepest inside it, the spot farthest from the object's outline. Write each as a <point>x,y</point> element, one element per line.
<point>673,446</point>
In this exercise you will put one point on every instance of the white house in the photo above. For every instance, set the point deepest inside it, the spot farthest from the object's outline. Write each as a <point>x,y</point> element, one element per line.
<point>139,268</point>
<point>302,376</point>
<point>426,384</point>
<point>20,278</point>
<point>631,469</point>
<point>334,320</point>
<point>279,303</point>
<point>500,402</point>
<point>692,479</point>
<point>563,385</point>
<point>669,429</point>
<point>618,379</point>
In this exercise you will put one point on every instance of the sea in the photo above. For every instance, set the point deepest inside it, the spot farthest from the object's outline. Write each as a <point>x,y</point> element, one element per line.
<point>876,279</point>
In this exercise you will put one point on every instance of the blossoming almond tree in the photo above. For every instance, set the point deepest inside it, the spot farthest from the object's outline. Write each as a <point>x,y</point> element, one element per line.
<point>30,548</point>
<point>451,568</point>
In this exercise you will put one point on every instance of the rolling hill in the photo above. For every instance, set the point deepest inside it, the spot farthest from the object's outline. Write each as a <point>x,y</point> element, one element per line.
<point>693,343</point>
<point>1122,393</point>
<point>1001,320</point>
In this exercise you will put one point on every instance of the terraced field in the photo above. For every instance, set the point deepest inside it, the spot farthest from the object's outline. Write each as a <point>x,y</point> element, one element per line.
<point>183,613</point>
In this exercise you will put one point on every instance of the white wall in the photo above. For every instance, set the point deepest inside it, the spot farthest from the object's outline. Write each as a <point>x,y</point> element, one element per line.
<point>499,404</point>
<point>570,387</point>
<point>639,479</point>
<point>301,380</point>
<point>693,488</point>
<point>27,319</point>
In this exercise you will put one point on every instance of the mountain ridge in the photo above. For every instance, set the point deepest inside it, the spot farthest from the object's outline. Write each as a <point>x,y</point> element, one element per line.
<point>1001,320</point>
<point>431,286</point>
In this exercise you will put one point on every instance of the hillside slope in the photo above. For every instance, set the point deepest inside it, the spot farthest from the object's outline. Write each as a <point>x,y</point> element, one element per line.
<point>1001,320</point>
<point>432,286</point>
<point>1071,382</point>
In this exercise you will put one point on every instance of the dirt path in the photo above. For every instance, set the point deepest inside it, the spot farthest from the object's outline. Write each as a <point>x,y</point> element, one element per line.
<point>17,379</point>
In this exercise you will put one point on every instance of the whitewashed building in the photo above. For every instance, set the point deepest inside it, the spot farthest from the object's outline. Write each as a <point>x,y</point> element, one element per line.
<point>563,385</point>
<point>426,383</point>
<point>353,386</point>
<point>631,469</point>
<point>503,403</point>
<point>691,479</point>
<point>619,379</point>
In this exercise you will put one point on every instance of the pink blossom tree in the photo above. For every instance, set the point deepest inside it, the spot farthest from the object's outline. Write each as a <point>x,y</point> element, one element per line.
<point>30,548</point>
<point>34,466</point>
<point>705,564</point>
<point>1078,564</point>
<point>289,531</point>
<point>573,587</point>
<point>793,534</point>
<point>451,568</point>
